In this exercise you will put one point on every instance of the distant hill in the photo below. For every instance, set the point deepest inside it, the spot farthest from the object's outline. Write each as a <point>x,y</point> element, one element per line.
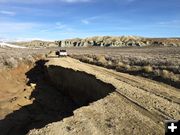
<point>104,41</point>
<point>5,45</point>
<point>36,43</point>
<point>119,41</point>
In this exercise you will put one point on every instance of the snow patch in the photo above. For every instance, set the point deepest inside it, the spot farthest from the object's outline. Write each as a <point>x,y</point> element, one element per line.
<point>10,45</point>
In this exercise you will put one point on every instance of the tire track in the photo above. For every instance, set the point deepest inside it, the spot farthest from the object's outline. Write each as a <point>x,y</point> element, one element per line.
<point>157,107</point>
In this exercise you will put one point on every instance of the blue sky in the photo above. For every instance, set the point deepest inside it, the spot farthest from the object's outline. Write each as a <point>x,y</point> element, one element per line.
<point>61,19</point>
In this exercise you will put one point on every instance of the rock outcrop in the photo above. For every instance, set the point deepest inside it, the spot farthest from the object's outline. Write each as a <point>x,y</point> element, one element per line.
<point>103,41</point>
<point>107,41</point>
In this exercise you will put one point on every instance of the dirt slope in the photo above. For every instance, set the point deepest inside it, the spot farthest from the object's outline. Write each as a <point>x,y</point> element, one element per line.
<point>137,106</point>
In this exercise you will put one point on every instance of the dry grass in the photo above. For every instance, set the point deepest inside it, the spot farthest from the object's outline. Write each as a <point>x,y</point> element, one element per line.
<point>153,62</point>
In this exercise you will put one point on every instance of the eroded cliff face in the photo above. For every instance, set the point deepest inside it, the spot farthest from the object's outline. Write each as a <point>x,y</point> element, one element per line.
<point>103,41</point>
<point>81,87</point>
<point>118,41</point>
<point>33,96</point>
<point>117,103</point>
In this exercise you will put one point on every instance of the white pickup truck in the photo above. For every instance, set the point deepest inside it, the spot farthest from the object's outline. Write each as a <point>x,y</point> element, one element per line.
<point>61,53</point>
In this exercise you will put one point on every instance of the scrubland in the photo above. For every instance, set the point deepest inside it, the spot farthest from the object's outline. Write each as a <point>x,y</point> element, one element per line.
<point>43,94</point>
<point>158,63</point>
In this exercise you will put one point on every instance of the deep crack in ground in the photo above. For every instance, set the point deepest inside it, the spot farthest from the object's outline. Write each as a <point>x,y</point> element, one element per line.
<point>52,102</point>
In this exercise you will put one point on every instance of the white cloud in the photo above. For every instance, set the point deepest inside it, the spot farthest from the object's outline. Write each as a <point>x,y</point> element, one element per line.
<point>171,22</point>
<point>63,27</point>
<point>5,12</point>
<point>59,25</point>
<point>91,19</point>
<point>85,21</point>
<point>175,24</point>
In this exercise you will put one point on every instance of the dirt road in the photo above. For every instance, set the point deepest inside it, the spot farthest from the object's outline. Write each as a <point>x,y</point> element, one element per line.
<point>137,106</point>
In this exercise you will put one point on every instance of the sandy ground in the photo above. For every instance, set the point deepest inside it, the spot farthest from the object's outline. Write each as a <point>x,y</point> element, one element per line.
<point>137,106</point>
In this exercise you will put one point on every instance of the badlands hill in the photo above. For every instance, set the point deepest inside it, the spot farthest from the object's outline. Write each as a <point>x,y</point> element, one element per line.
<point>104,41</point>
<point>119,41</point>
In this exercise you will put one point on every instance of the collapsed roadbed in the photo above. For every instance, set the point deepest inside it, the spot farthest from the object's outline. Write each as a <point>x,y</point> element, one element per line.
<point>66,96</point>
<point>136,101</point>
<point>44,95</point>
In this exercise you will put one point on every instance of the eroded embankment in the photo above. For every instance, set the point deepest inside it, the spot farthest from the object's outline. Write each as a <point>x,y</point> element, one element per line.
<point>46,95</point>
<point>160,99</point>
<point>83,88</point>
<point>136,101</point>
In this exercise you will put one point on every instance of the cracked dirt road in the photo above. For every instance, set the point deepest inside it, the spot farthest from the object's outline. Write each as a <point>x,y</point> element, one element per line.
<point>137,106</point>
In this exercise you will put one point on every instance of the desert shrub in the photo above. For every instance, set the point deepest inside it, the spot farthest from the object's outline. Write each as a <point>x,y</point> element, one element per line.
<point>89,60</point>
<point>135,68</point>
<point>165,74</point>
<point>11,62</point>
<point>156,72</point>
<point>123,66</point>
<point>86,59</point>
<point>89,55</point>
<point>110,62</point>
<point>170,75</point>
<point>120,64</point>
<point>29,60</point>
<point>127,67</point>
<point>147,69</point>
<point>101,59</point>
<point>175,78</point>
<point>115,61</point>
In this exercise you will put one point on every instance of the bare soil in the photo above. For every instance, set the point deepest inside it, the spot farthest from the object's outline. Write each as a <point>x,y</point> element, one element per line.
<point>40,95</point>
<point>133,102</point>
